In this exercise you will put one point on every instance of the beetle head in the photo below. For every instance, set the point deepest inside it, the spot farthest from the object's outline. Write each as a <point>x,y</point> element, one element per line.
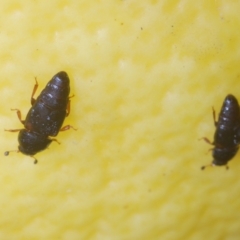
<point>221,156</point>
<point>31,143</point>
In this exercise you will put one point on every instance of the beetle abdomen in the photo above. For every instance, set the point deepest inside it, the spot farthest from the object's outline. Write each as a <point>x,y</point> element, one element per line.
<point>229,116</point>
<point>55,94</point>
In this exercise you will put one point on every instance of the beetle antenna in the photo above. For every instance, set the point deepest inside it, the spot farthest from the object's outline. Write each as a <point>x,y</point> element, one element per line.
<point>212,165</point>
<point>35,160</point>
<point>7,152</point>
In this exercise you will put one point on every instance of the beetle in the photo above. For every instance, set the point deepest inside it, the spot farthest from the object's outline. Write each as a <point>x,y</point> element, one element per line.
<point>227,134</point>
<point>45,118</point>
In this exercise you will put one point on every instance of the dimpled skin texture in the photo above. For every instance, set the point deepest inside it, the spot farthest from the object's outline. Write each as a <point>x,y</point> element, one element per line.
<point>145,75</point>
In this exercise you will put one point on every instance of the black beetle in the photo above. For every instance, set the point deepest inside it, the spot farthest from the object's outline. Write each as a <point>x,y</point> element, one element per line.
<point>226,137</point>
<point>45,118</point>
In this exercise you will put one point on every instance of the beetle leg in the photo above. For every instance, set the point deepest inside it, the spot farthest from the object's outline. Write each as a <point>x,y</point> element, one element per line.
<point>68,108</point>
<point>67,127</point>
<point>207,140</point>
<point>214,117</point>
<point>209,150</point>
<point>33,92</point>
<point>54,139</point>
<point>69,105</point>
<point>19,115</point>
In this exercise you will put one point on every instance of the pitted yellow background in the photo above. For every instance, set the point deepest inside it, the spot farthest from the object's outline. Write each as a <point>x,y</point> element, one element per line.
<point>145,75</point>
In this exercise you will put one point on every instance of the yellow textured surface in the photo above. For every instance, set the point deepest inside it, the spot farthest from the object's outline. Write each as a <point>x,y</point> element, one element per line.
<point>145,75</point>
